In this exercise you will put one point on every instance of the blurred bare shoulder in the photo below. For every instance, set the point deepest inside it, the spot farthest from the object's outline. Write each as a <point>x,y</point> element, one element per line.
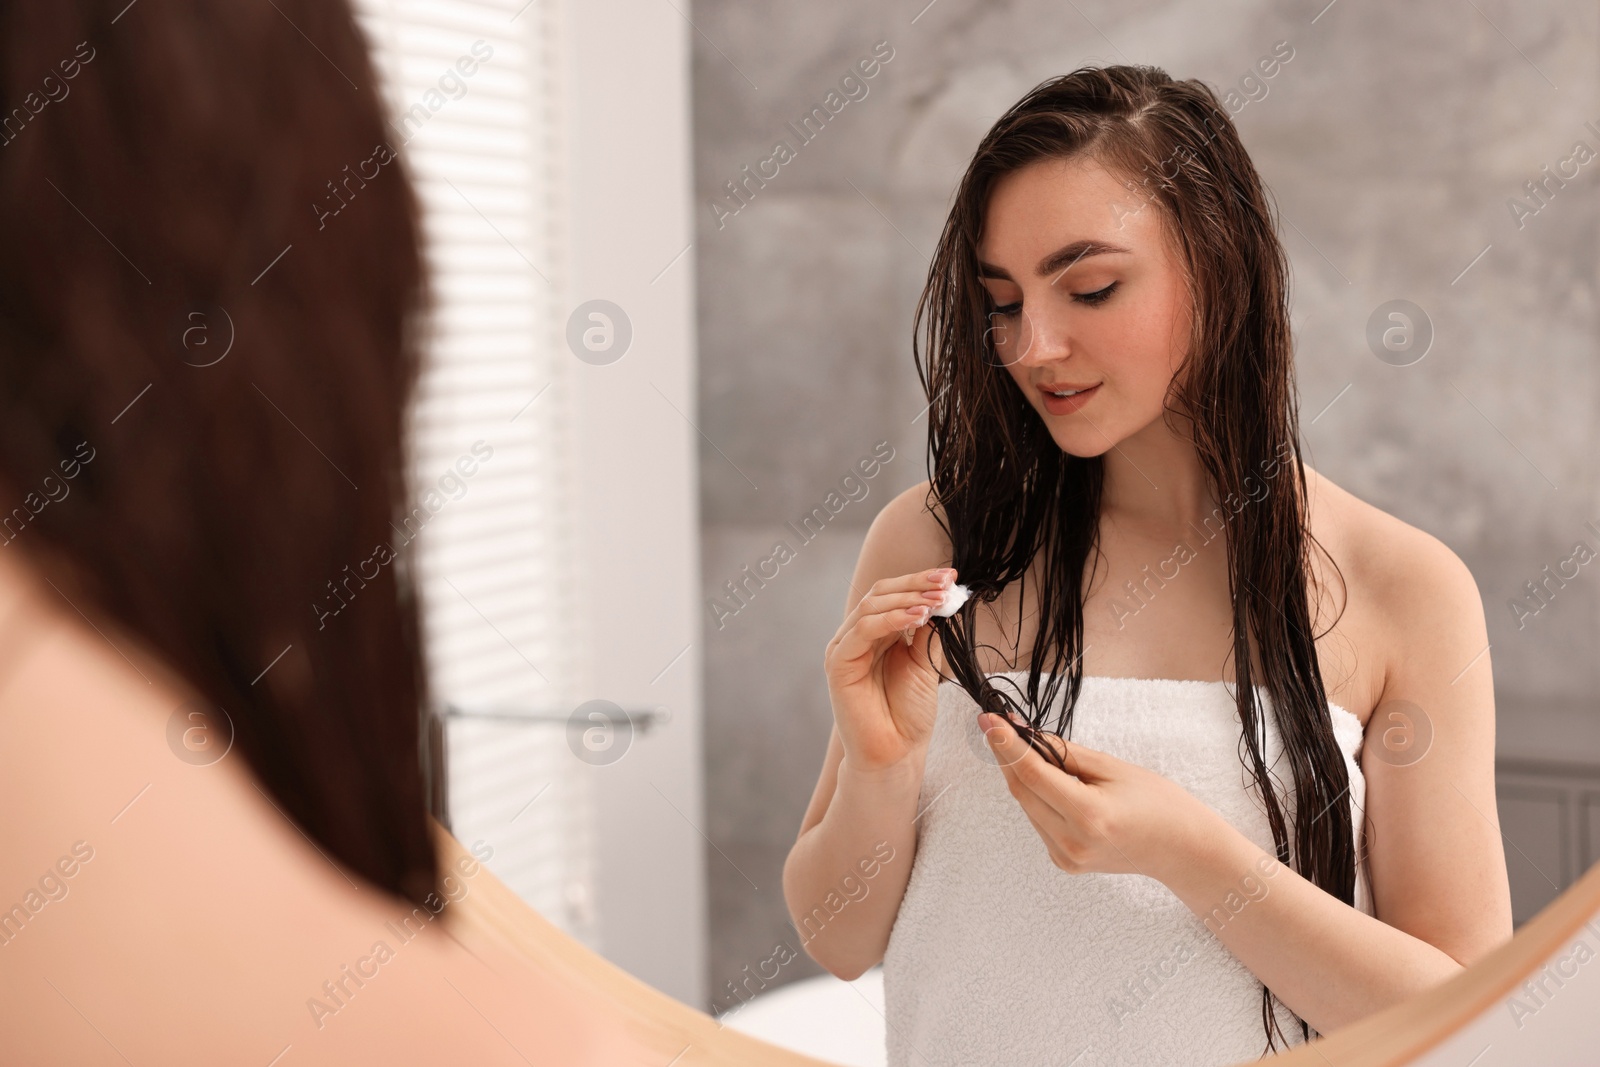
<point>148,845</point>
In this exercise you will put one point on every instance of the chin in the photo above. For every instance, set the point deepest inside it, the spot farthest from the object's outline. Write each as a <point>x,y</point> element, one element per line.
<point>1084,442</point>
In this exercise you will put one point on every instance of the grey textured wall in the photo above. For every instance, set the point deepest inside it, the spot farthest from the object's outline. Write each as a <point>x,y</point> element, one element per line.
<point>1394,141</point>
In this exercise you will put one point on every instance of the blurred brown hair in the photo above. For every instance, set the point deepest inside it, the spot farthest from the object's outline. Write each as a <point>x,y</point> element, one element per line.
<point>161,181</point>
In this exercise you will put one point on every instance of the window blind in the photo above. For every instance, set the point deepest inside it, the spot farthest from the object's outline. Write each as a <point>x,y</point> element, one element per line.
<point>472,93</point>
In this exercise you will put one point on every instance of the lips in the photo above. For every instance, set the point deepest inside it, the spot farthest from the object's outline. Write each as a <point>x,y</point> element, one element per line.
<point>1064,405</point>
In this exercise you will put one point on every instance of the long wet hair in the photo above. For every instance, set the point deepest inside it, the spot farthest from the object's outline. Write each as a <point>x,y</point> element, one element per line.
<point>204,377</point>
<point>1010,498</point>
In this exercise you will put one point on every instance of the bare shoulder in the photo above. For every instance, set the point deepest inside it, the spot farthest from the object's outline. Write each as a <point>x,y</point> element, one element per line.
<point>1414,600</point>
<point>906,536</point>
<point>1403,559</point>
<point>133,842</point>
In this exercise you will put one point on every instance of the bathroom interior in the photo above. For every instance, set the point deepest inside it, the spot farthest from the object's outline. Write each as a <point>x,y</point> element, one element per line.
<point>710,225</point>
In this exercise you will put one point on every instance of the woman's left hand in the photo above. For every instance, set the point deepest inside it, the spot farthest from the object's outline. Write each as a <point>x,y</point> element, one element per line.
<point>1107,816</point>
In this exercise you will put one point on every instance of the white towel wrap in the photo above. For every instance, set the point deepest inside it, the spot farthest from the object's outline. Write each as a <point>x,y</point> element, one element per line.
<point>999,957</point>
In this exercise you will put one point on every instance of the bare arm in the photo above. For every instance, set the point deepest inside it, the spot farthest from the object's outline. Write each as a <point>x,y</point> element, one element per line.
<point>1434,849</point>
<point>1434,853</point>
<point>857,849</point>
<point>847,872</point>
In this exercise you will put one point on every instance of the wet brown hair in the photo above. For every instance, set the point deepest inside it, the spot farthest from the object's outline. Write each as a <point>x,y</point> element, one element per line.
<point>1010,498</point>
<point>179,158</point>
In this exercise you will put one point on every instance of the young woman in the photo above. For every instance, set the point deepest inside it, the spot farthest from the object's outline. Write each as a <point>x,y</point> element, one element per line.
<point>215,813</point>
<point>1246,787</point>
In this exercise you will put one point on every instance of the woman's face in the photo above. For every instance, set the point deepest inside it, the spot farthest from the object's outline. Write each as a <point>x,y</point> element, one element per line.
<point>1088,295</point>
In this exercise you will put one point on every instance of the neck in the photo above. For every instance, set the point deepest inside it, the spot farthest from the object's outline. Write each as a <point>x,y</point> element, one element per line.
<point>1155,478</point>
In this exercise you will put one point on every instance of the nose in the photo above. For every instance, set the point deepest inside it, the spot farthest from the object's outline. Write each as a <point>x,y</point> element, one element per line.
<point>1041,338</point>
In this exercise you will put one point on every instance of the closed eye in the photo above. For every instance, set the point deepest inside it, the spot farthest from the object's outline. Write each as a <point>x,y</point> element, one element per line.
<point>1094,299</point>
<point>1097,297</point>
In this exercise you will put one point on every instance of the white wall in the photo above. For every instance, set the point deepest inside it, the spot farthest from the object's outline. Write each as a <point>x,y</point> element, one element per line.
<point>625,75</point>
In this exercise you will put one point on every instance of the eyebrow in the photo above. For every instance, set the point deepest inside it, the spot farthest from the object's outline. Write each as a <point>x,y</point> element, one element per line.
<point>1058,260</point>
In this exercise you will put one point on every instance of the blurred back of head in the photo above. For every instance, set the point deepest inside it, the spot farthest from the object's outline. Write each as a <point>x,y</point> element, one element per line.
<point>209,275</point>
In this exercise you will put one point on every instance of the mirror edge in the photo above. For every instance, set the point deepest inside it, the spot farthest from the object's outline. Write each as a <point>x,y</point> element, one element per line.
<point>1397,1035</point>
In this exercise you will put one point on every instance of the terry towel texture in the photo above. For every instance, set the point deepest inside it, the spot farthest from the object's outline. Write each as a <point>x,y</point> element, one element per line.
<point>997,956</point>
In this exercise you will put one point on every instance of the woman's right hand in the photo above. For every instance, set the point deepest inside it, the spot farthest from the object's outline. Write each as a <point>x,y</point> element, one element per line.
<point>884,691</point>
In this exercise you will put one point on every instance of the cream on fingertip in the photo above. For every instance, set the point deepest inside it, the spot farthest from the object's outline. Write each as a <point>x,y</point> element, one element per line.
<point>954,597</point>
